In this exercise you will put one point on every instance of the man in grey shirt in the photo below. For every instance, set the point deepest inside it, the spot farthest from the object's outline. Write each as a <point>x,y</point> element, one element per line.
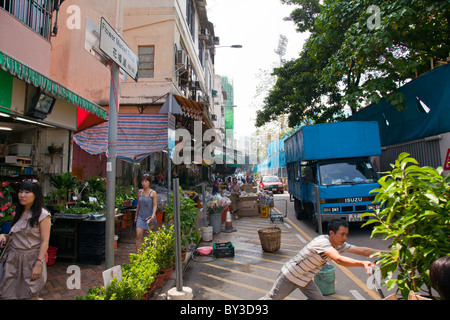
<point>301,269</point>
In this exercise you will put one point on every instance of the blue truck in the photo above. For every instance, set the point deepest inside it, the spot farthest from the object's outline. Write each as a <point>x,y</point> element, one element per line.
<point>330,173</point>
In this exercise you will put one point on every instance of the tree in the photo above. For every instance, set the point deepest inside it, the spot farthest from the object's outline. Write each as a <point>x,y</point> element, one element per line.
<point>358,52</point>
<point>416,217</point>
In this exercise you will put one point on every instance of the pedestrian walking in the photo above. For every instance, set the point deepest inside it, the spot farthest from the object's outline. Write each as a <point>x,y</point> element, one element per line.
<point>146,209</point>
<point>215,186</point>
<point>25,269</point>
<point>299,271</point>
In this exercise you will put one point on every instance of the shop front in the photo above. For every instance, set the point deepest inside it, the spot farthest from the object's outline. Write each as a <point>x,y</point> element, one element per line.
<point>38,118</point>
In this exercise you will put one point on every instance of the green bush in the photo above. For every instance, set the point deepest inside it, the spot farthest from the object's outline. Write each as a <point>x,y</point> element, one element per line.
<point>416,216</point>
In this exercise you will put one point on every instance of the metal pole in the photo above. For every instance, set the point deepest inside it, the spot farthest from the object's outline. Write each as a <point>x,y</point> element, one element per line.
<point>204,203</point>
<point>177,224</point>
<point>169,164</point>
<point>111,166</point>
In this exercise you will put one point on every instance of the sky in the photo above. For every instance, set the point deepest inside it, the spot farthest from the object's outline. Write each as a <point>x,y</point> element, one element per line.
<point>256,25</point>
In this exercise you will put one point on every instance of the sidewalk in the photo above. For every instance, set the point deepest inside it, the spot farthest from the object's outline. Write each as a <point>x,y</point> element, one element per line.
<point>56,287</point>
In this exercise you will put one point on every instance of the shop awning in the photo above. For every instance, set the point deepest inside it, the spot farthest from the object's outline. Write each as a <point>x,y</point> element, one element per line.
<point>50,86</point>
<point>191,108</point>
<point>138,136</point>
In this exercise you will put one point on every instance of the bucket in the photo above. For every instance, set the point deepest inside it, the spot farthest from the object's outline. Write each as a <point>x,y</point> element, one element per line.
<point>51,255</point>
<point>325,280</point>
<point>215,220</point>
<point>207,233</point>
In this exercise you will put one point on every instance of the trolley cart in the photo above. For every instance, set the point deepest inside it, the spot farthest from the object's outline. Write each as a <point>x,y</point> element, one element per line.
<point>275,214</point>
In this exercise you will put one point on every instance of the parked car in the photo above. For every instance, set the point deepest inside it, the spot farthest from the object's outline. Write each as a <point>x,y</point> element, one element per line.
<point>271,183</point>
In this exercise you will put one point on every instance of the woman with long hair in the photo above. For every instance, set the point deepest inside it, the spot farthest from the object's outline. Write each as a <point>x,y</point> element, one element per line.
<point>146,209</point>
<point>25,270</point>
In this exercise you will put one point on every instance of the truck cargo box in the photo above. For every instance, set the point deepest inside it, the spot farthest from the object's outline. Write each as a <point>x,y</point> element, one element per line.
<point>333,141</point>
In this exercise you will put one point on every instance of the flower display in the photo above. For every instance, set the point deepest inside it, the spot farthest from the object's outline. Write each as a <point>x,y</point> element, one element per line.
<point>6,207</point>
<point>216,204</point>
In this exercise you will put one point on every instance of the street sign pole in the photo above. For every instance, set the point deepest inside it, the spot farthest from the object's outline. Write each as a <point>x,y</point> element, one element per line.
<point>111,166</point>
<point>120,55</point>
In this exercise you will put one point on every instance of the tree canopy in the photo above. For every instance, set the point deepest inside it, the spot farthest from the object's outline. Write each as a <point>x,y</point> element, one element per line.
<point>357,53</point>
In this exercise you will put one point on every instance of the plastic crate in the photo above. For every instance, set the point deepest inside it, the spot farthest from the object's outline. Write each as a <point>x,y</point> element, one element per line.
<point>223,249</point>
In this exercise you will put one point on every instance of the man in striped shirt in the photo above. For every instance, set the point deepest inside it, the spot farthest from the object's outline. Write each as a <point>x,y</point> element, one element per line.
<point>300,270</point>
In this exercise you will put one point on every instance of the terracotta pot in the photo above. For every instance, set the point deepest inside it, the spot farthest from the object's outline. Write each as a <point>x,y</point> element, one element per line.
<point>167,273</point>
<point>159,280</point>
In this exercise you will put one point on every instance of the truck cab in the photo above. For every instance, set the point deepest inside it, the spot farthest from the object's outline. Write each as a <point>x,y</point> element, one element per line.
<point>330,172</point>
<point>337,189</point>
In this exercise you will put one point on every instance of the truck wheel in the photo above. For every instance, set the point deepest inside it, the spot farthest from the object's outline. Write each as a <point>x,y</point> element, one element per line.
<point>299,213</point>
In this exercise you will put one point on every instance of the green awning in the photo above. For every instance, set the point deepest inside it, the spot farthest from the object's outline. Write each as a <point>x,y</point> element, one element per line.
<point>33,77</point>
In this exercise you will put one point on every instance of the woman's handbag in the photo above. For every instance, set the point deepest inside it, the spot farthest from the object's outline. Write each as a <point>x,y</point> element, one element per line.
<point>3,257</point>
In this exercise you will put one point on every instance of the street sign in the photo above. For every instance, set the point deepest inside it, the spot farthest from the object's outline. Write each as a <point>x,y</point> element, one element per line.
<point>117,50</point>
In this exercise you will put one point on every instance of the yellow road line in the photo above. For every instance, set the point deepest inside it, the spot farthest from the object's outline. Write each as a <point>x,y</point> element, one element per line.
<point>347,272</point>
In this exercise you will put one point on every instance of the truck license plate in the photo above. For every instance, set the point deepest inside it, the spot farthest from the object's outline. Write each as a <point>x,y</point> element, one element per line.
<point>355,218</point>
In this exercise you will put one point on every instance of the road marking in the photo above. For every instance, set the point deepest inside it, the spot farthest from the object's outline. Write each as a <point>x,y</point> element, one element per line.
<point>220,293</point>
<point>239,284</point>
<point>347,272</point>
<point>268,253</point>
<point>338,296</point>
<point>253,257</point>
<point>251,265</point>
<point>301,238</point>
<point>287,225</point>
<point>240,272</point>
<point>357,295</point>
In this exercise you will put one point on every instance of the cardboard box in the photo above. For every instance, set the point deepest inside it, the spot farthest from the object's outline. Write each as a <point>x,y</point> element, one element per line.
<point>248,206</point>
<point>249,188</point>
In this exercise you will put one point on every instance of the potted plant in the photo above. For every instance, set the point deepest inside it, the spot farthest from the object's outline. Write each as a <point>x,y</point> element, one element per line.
<point>160,247</point>
<point>415,215</point>
<point>65,185</point>
<point>6,207</point>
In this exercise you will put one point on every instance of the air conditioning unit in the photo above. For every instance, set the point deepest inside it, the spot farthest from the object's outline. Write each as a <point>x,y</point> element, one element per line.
<point>181,59</point>
<point>195,85</point>
<point>204,34</point>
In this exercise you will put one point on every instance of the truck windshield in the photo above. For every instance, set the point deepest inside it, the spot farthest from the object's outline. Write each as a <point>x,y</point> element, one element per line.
<point>347,172</point>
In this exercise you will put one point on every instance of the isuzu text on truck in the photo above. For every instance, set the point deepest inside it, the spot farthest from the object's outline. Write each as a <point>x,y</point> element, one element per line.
<point>330,174</point>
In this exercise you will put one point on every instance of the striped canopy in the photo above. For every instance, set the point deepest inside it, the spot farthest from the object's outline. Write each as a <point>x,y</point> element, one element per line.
<point>138,136</point>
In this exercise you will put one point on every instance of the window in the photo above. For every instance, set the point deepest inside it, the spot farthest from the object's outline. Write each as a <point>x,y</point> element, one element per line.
<point>36,14</point>
<point>146,61</point>
<point>190,17</point>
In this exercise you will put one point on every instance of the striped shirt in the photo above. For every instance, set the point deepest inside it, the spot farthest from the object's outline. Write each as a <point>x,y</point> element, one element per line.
<point>310,260</point>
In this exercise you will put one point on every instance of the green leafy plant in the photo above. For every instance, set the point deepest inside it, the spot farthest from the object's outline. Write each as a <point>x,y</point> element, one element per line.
<point>416,216</point>
<point>96,188</point>
<point>160,247</point>
<point>137,277</point>
<point>65,184</point>
<point>188,218</point>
